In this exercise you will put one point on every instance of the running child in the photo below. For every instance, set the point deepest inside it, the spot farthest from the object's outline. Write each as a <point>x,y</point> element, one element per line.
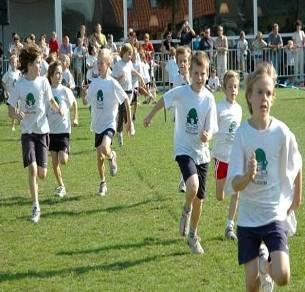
<point>195,123</point>
<point>104,96</point>
<point>9,80</point>
<point>60,126</point>
<point>67,77</point>
<point>265,168</point>
<point>229,114</point>
<point>34,93</point>
<point>171,67</point>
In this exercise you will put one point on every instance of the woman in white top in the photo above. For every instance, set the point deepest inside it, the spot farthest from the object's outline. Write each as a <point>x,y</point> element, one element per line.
<point>298,38</point>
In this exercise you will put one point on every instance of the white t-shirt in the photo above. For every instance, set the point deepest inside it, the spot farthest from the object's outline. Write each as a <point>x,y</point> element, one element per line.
<point>172,69</point>
<point>268,197</point>
<point>34,95</point>
<point>10,78</point>
<point>180,80</point>
<point>124,69</point>
<point>228,118</point>
<point>194,112</point>
<point>44,68</point>
<point>104,97</point>
<point>298,38</point>
<point>214,83</point>
<point>91,61</point>
<point>145,70</point>
<point>67,79</point>
<point>65,99</point>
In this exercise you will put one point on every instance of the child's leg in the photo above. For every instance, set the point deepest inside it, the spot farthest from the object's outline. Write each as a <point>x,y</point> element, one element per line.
<point>56,168</point>
<point>32,179</point>
<point>279,268</point>
<point>233,206</point>
<point>196,213</point>
<point>220,183</point>
<point>251,276</point>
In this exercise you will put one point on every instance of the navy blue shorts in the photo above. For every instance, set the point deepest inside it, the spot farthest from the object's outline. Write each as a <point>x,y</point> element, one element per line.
<point>60,142</point>
<point>188,168</point>
<point>273,234</point>
<point>99,137</point>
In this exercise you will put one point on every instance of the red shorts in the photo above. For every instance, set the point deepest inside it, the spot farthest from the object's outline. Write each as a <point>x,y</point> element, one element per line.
<point>221,169</point>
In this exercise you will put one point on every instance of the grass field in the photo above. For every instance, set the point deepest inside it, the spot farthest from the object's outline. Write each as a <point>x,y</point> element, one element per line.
<point>128,240</point>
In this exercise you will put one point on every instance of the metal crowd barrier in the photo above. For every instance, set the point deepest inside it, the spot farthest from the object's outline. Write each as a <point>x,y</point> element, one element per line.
<point>289,65</point>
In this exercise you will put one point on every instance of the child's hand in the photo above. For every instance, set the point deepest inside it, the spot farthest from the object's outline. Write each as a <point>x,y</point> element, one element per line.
<point>147,121</point>
<point>128,128</point>
<point>252,166</point>
<point>204,136</point>
<point>75,123</point>
<point>61,111</point>
<point>19,115</point>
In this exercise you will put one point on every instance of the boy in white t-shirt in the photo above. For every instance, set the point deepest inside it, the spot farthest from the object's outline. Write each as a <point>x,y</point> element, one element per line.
<point>67,77</point>
<point>266,169</point>
<point>229,114</point>
<point>34,93</point>
<point>60,126</point>
<point>104,96</point>
<point>10,78</point>
<point>195,123</point>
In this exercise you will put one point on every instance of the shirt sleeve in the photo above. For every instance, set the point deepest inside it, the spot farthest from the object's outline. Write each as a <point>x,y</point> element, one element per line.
<point>210,123</point>
<point>119,93</point>
<point>69,96</point>
<point>14,96</point>
<point>47,90</point>
<point>169,98</point>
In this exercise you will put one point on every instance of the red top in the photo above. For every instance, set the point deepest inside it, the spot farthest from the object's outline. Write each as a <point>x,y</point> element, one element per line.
<point>54,46</point>
<point>149,49</point>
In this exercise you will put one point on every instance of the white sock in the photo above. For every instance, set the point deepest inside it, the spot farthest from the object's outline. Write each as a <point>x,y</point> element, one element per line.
<point>230,223</point>
<point>36,204</point>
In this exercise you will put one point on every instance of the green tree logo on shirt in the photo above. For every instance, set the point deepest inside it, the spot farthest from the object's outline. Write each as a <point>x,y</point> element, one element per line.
<point>192,122</point>
<point>233,127</point>
<point>56,99</point>
<point>100,99</point>
<point>100,95</point>
<point>261,175</point>
<point>30,100</point>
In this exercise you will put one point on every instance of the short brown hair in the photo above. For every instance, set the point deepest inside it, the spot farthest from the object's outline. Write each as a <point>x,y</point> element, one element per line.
<point>52,69</point>
<point>228,75</point>
<point>200,58</point>
<point>27,56</point>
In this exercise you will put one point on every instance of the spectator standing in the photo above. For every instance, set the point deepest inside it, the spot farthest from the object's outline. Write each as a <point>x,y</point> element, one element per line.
<point>221,45</point>
<point>275,42</point>
<point>258,47</point>
<point>298,38</point>
<point>16,46</point>
<point>242,51</point>
<point>148,48</point>
<point>44,47</point>
<point>53,44</point>
<point>186,34</point>
<point>100,37</point>
<point>207,43</point>
<point>82,35</point>
<point>66,47</point>
<point>111,44</point>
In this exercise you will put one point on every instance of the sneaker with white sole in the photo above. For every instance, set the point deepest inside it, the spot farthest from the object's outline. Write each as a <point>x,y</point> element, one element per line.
<point>182,186</point>
<point>60,191</point>
<point>184,225</point>
<point>103,189</point>
<point>113,166</point>
<point>230,234</point>
<point>265,279</point>
<point>194,245</point>
<point>120,139</point>
<point>35,215</point>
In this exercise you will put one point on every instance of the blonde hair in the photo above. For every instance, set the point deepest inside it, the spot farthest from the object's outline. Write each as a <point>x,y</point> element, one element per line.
<point>105,54</point>
<point>172,51</point>
<point>260,72</point>
<point>126,48</point>
<point>200,58</point>
<point>228,75</point>
<point>183,51</point>
<point>65,59</point>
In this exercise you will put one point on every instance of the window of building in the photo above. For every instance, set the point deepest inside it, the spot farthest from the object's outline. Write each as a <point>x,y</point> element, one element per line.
<point>129,4</point>
<point>154,3</point>
<point>280,12</point>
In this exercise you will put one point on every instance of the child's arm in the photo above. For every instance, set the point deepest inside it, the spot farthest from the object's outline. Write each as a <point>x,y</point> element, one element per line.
<point>135,72</point>
<point>297,198</point>
<point>14,113</point>
<point>206,136</point>
<point>75,112</point>
<point>159,105</point>
<point>83,94</point>
<point>55,107</point>
<point>128,113</point>
<point>240,182</point>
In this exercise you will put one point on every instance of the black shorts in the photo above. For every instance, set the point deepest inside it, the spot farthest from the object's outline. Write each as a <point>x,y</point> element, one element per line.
<point>99,137</point>
<point>35,149</point>
<point>60,142</point>
<point>188,168</point>
<point>273,234</point>
<point>135,95</point>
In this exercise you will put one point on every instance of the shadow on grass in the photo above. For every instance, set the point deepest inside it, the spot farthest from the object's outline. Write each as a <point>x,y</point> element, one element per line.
<point>82,152</point>
<point>99,210</point>
<point>115,266</point>
<point>23,201</point>
<point>10,139</point>
<point>145,242</point>
<point>10,162</point>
